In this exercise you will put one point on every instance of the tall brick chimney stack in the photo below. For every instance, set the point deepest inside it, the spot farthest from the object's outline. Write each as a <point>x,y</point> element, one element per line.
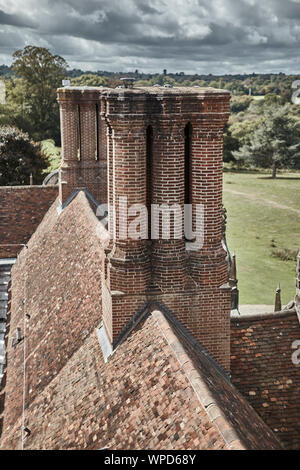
<point>162,146</point>
<point>83,164</point>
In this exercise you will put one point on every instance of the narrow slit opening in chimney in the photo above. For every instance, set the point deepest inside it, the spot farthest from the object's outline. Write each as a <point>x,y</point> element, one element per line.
<point>149,163</point>
<point>78,134</point>
<point>97,122</point>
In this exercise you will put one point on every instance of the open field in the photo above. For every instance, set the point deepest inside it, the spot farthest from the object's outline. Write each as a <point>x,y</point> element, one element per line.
<point>263,221</point>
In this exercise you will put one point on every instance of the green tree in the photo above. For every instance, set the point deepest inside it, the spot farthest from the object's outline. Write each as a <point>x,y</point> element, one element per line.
<point>19,158</point>
<point>271,98</point>
<point>275,143</point>
<point>240,103</point>
<point>231,144</point>
<point>41,74</point>
<point>15,110</point>
<point>89,79</point>
<point>52,153</point>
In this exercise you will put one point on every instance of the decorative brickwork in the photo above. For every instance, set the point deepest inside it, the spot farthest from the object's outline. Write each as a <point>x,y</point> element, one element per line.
<point>262,369</point>
<point>83,164</point>
<point>21,210</point>
<point>155,173</point>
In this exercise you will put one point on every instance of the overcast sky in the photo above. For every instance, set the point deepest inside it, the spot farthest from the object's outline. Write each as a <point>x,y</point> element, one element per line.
<point>203,36</point>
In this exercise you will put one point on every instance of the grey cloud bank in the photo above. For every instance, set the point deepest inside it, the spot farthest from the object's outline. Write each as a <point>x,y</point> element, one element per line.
<point>195,36</point>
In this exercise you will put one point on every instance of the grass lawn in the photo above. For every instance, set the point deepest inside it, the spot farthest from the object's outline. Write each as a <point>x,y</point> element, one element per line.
<point>263,217</point>
<point>258,97</point>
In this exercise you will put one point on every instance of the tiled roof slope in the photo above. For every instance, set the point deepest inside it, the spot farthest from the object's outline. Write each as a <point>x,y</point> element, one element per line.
<point>263,370</point>
<point>152,393</point>
<point>148,395</point>
<point>139,399</point>
<point>5,268</point>
<point>231,414</point>
<point>63,298</point>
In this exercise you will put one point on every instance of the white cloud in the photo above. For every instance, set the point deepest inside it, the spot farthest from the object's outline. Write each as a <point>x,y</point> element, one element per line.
<point>206,36</point>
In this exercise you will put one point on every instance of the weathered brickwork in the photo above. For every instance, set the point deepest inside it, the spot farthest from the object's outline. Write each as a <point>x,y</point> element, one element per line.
<point>191,309</point>
<point>262,369</point>
<point>155,172</point>
<point>22,208</point>
<point>82,134</point>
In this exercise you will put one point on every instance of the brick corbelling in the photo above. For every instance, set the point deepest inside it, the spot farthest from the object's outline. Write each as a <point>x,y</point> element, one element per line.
<point>157,101</point>
<point>79,95</point>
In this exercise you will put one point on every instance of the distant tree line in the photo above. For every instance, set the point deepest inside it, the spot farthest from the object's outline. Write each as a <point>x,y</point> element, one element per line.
<point>263,130</point>
<point>263,133</point>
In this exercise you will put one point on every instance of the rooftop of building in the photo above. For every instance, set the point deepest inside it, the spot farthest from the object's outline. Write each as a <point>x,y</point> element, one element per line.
<point>159,389</point>
<point>263,369</point>
<point>160,90</point>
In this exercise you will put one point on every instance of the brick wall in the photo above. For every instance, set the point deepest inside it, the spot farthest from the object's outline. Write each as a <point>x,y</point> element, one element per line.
<point>188,282</point>
<point>263,371</point>
<point>83,144</point>
<point>203,313</point>
<point>114,124</point>
<point>22,208</point>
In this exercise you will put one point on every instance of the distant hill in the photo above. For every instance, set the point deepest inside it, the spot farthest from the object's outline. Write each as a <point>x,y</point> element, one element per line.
<point>238,84</point>
<point>7,70</point>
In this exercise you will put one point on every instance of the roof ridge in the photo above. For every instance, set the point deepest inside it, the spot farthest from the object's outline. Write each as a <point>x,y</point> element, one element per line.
<point>74,194</point>
<point>262,316</point>
<point>174,332</point>
<point>204,395</point>
<point>196,345</point>
<point>132,324</point>
<point>203,378</point>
